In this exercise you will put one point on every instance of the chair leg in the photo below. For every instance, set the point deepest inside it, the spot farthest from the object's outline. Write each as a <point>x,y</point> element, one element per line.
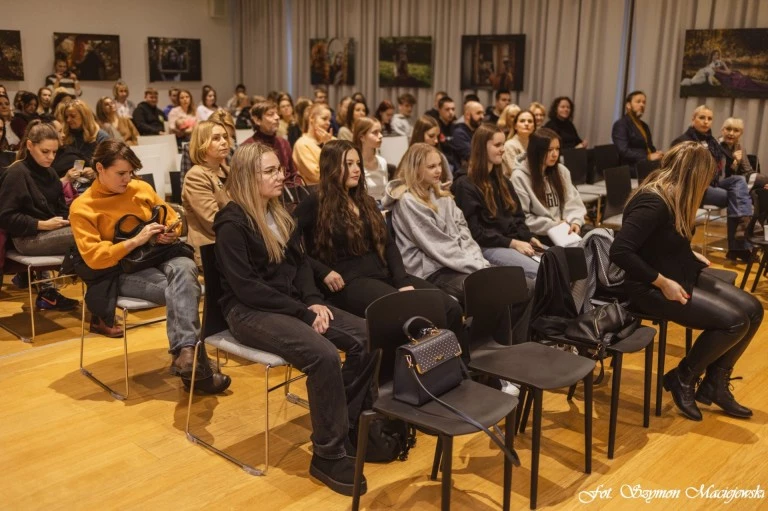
<point>445,505</point>
<point>588,423</point>
<point>615,387</point>
<point>509,442</point>
<point>660,364</point>
<point>748,269</point>
<point>647,385</point>
<point>527,410</point>
<point>519,409</point>
<point>31,306</point>
<point>571,392</point>
<point>125,350</point>
<point>688,339</point>
<point>438,456</point>
<point>760,269</point>
<point>266,418</point>
<point>535,444</point>
<point>362,445</point>
<point>89,375</point>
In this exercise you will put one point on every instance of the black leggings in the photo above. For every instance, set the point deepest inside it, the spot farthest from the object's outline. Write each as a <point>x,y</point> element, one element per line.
<point>728,316</point>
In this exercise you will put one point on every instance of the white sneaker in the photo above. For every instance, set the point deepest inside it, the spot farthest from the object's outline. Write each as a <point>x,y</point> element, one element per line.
<point>510,388</point>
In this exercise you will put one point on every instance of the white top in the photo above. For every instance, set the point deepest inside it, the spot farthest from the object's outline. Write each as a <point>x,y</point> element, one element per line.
<point>125,109</point>
<point>203,112</point>
<point>376,179</point>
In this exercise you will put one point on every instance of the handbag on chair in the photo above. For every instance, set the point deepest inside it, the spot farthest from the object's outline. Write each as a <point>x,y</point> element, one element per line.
<point>602,325</point>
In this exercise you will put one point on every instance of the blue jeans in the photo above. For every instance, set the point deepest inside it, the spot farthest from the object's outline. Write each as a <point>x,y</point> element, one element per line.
<point>316,356</point>
<point>499,256</point>
<point>173,284</point>
<point>731,192</point>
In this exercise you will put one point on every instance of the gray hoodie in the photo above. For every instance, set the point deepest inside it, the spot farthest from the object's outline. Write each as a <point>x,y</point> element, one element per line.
<point>540,217</point>
<point>431,240</point>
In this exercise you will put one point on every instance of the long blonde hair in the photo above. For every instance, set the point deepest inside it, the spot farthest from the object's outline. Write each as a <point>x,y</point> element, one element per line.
<point>90,127</point>
<point>409,170</point>
<point>686,171</point>
<point>242,186</point>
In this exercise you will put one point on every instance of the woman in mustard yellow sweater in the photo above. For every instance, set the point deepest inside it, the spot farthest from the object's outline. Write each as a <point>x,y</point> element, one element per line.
<point>173,283</point>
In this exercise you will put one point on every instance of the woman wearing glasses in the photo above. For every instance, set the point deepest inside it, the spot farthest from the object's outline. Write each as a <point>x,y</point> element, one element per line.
<point>203,192</point>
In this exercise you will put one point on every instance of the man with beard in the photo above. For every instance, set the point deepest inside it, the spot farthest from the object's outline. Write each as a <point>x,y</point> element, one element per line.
<point>461,143</point>
<point>266,120</point>
<point>631,136</point>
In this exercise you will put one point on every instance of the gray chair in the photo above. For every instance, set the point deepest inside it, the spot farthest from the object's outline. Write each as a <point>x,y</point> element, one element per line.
<point>215,332</point>
<point>618,185</point>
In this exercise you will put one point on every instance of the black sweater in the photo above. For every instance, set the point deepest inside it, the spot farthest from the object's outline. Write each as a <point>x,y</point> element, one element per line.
<point>350,266</point>
<point>648,244</point>
<point>569,137</point>
<point>149,120</point>
<point>488,231</point>
<point>250,279</point>
<point>28,193</point>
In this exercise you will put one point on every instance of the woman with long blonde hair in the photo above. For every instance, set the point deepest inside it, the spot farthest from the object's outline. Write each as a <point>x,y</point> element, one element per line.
<point>430,230</point>
<point>664,277</point>
<point>368,135</point>
<point>271,303</point>
<point>81,136</point>
<point>119,128</point>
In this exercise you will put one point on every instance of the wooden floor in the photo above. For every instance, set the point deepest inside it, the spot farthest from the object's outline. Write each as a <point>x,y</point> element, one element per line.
<point>66,444</point>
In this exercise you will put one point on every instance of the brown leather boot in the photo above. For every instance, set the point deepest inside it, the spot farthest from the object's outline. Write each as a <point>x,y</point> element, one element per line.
<point>716,388</point>
<point>98,326</point>
<point>215,384</point>
<point>184,361</point>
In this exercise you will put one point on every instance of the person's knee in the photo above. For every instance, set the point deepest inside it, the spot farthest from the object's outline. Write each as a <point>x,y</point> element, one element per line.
<point>737,322</point>
<point>326,357</point>
<point>753,308</point>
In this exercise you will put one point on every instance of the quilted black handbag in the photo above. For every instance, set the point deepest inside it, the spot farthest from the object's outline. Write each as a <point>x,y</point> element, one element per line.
<point>603,325</point>
<point>148,255</point>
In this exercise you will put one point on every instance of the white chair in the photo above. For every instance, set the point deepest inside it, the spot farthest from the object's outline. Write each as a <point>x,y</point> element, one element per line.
<point>154,161</point>
<point>393,149</point>
<point>168,151</point>
<point>243,135</point>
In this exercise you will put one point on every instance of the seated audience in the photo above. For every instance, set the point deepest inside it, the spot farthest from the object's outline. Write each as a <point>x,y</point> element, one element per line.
<point>44,107</point>
<point>306,151</point>
<point>225,118</point>
<point>384,113</point>
<point>63,77</point>
<point>266,120</point>
<point>446,116</point>
<point>81,136</point>
<point>147,118</point>
<point>32,207</point>
<point>461,142</point>
<point>491,206</point>
<point>233,103</point>
<point>208,103</point>
<point>426,130</point>
<point>561,122</point>
<point>125,106</point>
<point>434,112</point>
<point>118,128</point>
<point>203,193</point>
<point>182,118</point>
<point>9,141</point>
<point>173,97</point>
<point>339,117</point>
<point>493,112</point>
<point>725,190</point>
<point>285,110</point>
<point>345,233</point>
<point>355,110</point>
<point>544,188</point>
<point>173,283</point>
<point>517,140</point>
<point>27,112</point>
<point>301,120</point>
<point>539,112</point>
<point>243,113</point>
<point>664,278</point>
<point>631,135</point>
<point>736,161</point>
<point>367,136</point>
<point>271,303</point>
<point>506,122</point>
<point>401,121</point>
<point>430,230</point>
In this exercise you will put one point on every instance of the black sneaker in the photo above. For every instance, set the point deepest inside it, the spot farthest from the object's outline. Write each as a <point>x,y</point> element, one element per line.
<point>20,280</point>
<point>51,299</point>
<point>338,475</point>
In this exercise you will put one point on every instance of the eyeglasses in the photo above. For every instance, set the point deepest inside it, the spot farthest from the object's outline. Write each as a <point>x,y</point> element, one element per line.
<point>273,172</point>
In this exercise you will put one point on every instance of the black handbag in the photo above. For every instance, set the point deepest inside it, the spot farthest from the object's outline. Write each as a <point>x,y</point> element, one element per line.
<point>148,255</point>
<point>603,325</point>
<point>431,365</point>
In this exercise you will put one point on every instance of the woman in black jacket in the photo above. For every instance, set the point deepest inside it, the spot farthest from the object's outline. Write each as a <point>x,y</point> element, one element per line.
<point>664,278</point>
<point>32,207</point>
<point>347,237</point>
<point>271,303</point>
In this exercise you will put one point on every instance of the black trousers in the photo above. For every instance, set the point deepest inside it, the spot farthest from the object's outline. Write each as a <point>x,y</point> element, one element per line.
<point>728,316</point>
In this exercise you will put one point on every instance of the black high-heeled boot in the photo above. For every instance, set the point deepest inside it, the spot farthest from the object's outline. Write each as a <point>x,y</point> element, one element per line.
<point>681,383</point>
<point>716,388</point>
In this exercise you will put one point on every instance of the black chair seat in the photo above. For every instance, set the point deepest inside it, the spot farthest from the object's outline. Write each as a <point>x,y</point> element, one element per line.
<point>639,339</point>
<point>525,367</point>
<point>484,404</point>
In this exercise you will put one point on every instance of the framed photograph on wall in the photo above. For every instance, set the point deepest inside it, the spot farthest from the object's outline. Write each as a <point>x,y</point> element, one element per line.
<point>492,61</point>
<point>405,62</point>
<point>89,56</point>
<point>725,63</point>
<point>332,61</point>
<point>174,60</point>
<point>11,63</point>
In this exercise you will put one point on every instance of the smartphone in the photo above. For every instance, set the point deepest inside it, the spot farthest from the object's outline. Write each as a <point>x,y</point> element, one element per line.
<point>173,225</point>
<point>79,165</point>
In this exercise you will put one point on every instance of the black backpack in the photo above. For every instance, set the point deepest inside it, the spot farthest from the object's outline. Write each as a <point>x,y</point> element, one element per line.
<point>388,440</point>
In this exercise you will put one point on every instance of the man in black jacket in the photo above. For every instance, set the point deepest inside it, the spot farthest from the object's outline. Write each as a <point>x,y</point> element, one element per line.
<point>631,136</point>
<point>149,119</point>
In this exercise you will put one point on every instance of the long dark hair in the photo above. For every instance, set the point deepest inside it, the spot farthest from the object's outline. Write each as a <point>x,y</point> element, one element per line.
<point>334,214</point>
<point>484,179</point>
<point>553,108</point>
<point>538,148</point>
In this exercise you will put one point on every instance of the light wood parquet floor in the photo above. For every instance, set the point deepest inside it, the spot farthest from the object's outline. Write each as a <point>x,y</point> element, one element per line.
<point>66,444</point>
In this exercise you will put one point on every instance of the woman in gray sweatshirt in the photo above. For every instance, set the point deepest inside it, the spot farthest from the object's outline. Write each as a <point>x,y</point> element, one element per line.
<point>430,229</point>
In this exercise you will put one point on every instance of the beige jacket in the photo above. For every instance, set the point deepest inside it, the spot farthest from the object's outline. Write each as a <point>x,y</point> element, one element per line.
<point>202,197</point>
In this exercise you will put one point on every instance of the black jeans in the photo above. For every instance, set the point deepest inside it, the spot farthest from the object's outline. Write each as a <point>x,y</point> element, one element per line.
<point>728,316</point>
<point>359,293</point>
<point>316,356</point>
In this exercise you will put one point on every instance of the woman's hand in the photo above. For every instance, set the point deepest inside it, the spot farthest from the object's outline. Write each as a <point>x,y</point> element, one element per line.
<point>145,235</point>
<point>166,238</point>
<point>52,224</point>
<point>523,247</point>
<point>322,136</point>
<point>323,319</point>
<point>672,290</point>
<point>88,173</point>
<point>535,243</point>
<point>407,288</point>
<point>71,175</point>
<point>737,156</point>
<point>333,281</point>
<point>575,228</point>
<point>655,156</point>
<point>701,258</point>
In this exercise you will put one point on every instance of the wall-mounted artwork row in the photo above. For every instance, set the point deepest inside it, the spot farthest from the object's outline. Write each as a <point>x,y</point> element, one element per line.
<point>725,63</point>
<point>405,62</point>
<point>11,65</point>
<point>492,62</point>
<point>332,61</point>
<point>89,56</point>
<point>174,60</point>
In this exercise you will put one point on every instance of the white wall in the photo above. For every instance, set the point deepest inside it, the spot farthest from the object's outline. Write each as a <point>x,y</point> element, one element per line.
<point>133,21</point>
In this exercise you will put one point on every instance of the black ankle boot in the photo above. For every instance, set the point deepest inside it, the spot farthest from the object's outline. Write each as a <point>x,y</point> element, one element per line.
<point>338,474</point>
<point>716,388</point>
<point>681,383</point>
